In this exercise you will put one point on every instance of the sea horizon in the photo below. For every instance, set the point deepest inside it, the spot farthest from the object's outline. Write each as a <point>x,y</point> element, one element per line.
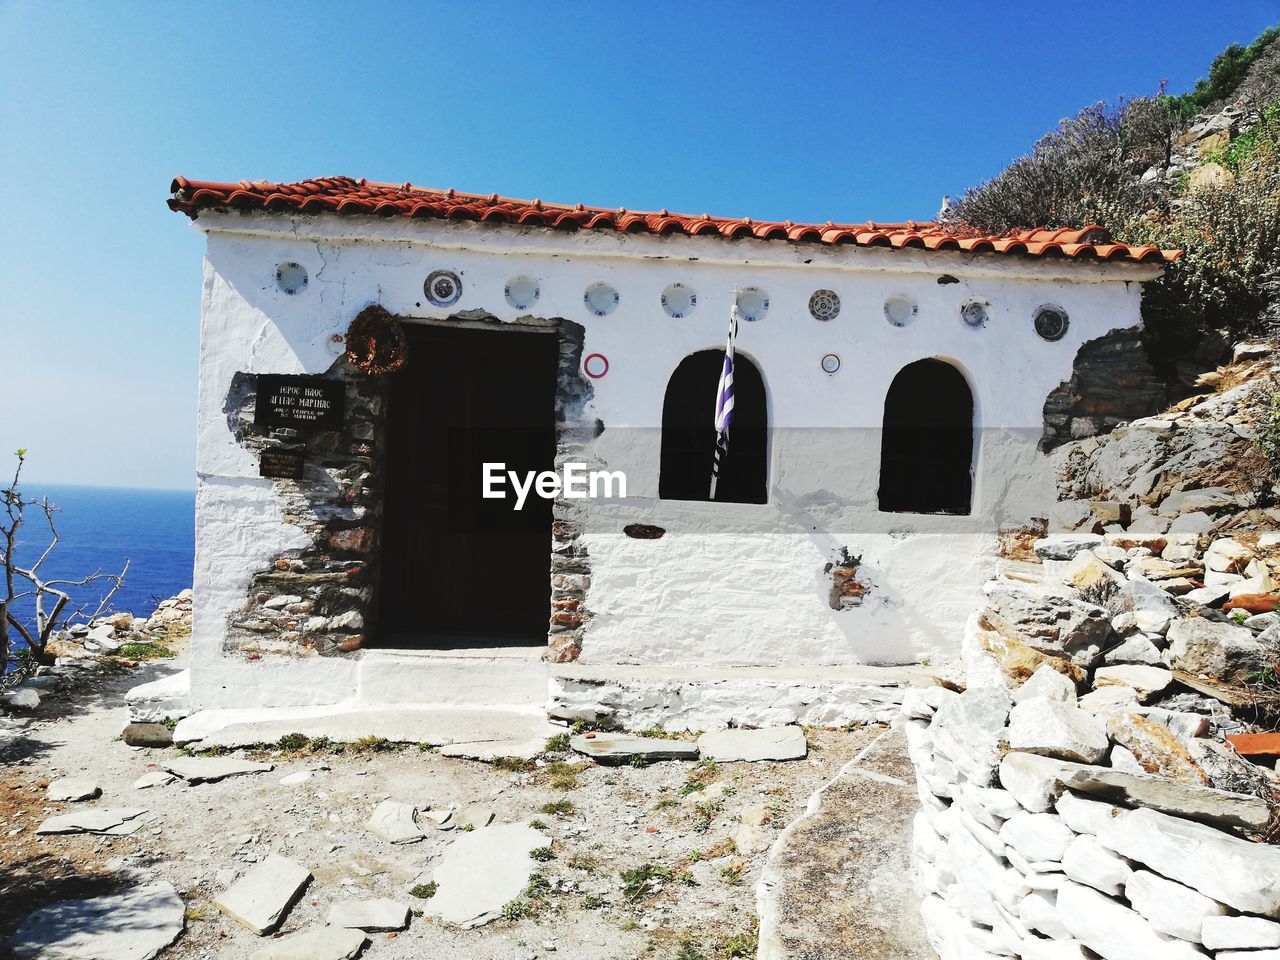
<point>101,525</point>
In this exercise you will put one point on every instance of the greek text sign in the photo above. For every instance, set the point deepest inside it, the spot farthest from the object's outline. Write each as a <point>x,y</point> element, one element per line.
<point>301,402</point>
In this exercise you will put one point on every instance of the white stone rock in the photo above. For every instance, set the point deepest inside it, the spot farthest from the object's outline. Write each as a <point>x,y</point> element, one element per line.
<point>1048,683</point>
<point>1108,701</point>
<point>1124,760</point>
<point>1064,546</point>
<point>1248,955</point>
<point>999,803</point>
<point>23,698</point>
<point>70,789</point>
<point>1239,933</point>
<point>1195,522</point>
<point>481,871</point>
<point>916,703</point>
<point>1214,579</point>
<point>1170,907</point>
<point>771,743</point>
<point>968,729</point>
<point>168,698</point>
<point>1037,836</point>
<point>135,924</point>
<point>1083,814</point>
<point>1236,872</point>
<point>1039,911</point>
<point>1056,729</point>
<point>1227,556</point>
<point>317,943</point>
<point>210,769</point>
<point>1253,585</point>
<point>1137,649</point>
<point>1055,950</point>
<point>1087,861</point>
<point>395,822</point>
<point>296,778</point>
<point>379,914</point>
<point>1152,620</point>
<point>1207,596</point>
<point>259,900</point>
<point>1115,931</point>
<point>1147,682</point>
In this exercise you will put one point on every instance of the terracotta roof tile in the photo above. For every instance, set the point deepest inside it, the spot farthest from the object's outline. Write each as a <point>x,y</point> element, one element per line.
<point>346,196</point>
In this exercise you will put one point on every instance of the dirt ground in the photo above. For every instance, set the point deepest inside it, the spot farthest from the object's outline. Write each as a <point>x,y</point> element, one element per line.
<point>672,821</point>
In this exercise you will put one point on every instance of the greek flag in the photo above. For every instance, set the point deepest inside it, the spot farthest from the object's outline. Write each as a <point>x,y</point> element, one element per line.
<point>724,401</point>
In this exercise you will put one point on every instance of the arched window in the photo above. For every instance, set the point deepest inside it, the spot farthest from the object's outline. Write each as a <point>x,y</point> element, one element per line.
<point>689,435</point>
<point>926,453</point>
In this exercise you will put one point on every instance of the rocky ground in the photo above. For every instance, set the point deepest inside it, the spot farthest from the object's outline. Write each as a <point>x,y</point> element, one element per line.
<point>625,860</point>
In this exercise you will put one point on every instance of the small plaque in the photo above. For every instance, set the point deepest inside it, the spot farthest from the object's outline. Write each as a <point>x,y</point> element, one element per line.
<point>300,402</point>
<point>280,464</point>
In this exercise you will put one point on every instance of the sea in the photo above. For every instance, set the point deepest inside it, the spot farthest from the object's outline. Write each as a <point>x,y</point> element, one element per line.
<point>100,527</point>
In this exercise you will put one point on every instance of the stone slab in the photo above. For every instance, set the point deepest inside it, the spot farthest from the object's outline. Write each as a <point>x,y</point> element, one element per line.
<point>71,789</point>
<point>837,883</point>
<point>379,914</point>
<point>1228,869</point>
<point>259,900</point>
<point>489,750</point>
<point>135,924</point>
<point>114,821</point>
<point>315,944</point>
<point>153,778</point>
<point>481,871</point>
<point>405,724</point>
<point>771,743</point>
<point>318,943</point>
<point>619,748</point>
<point>1037,782</point>
<point>210,769</point>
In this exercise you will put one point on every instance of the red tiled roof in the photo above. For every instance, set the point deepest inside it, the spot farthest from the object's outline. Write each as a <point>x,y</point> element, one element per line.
<point>346,196</point>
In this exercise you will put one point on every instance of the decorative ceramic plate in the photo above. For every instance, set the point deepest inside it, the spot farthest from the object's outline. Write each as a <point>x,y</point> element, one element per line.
<point>1051,322</point>
<point>900,309</point>
<point>291,277</point>
<point>752,303</point>
<point>443,288</point>
<point>522,292</point>
<point>601,299</point>
<point>974,313</point>
<point>679,300</point>
<point>824,304</point>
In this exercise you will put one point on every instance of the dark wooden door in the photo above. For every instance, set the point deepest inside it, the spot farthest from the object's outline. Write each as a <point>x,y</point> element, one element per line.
<point>459,570</point>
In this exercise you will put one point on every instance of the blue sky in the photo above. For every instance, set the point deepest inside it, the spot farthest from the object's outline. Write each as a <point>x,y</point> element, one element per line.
<point>844,111</point>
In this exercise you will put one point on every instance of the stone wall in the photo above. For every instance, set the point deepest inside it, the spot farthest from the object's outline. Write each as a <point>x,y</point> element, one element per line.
<point>320,599</point>
<point>1081,791</point>
<point>1112,381</point>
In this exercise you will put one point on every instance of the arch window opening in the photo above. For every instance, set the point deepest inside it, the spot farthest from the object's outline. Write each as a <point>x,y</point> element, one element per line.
<point>689,435</point>
<point>926,453</point>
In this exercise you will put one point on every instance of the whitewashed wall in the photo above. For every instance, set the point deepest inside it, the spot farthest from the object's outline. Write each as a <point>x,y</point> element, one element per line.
<point>699,595</point>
